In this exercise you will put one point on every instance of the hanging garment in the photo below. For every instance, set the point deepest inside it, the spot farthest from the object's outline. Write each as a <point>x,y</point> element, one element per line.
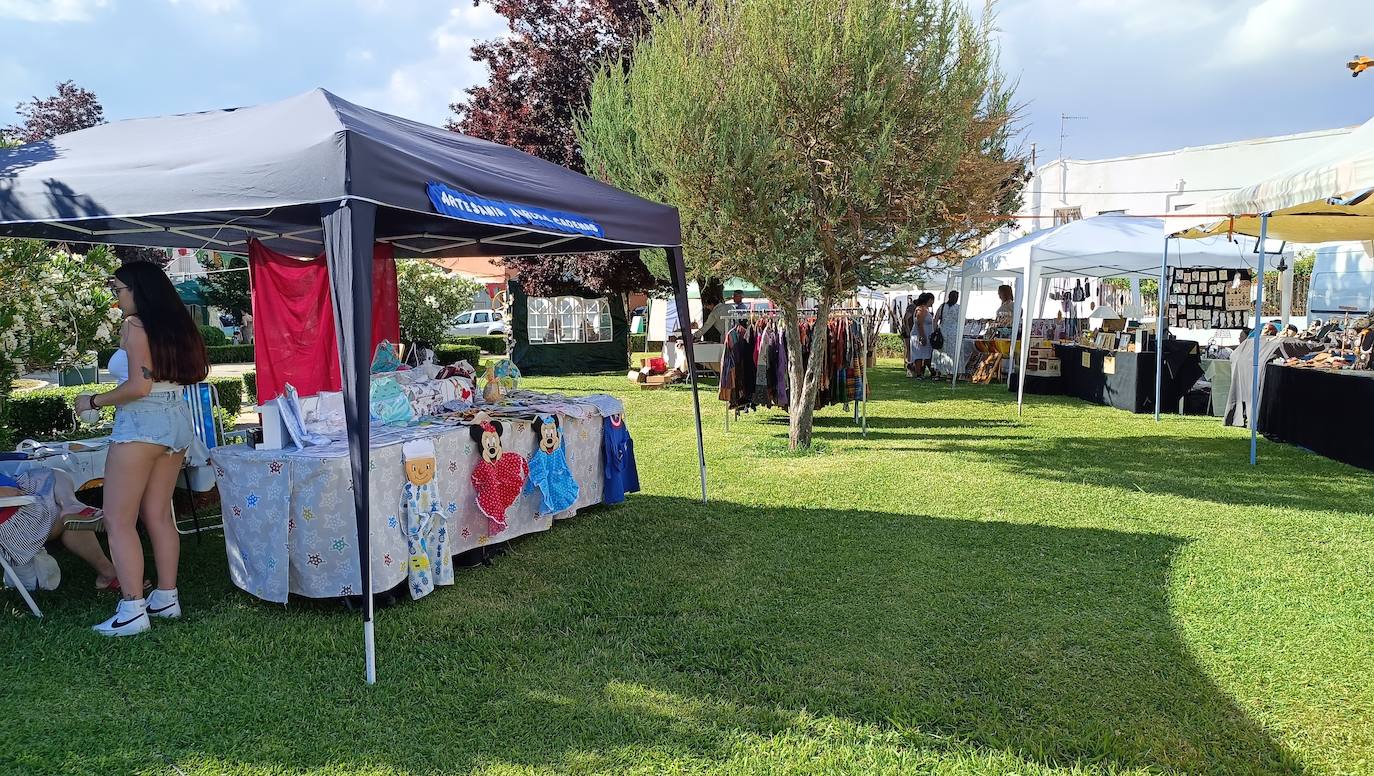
<point>498,477</point>
<point>548,469</point>
<point>781,375</point>
<point>618,450</point>
<point>740,342</point>
<point>295,319</point>
<point>423,521</point>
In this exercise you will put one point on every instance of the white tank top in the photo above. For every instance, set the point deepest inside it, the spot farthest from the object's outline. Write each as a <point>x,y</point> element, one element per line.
<point>119,369</point>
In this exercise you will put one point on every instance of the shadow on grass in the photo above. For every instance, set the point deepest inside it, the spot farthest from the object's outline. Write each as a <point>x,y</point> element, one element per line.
<point>668,634</point>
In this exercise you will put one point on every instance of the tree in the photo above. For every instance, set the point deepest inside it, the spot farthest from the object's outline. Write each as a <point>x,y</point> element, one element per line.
<point>71,109</point>
<point>430,300</point>
<point>55,309</point>
<point>226,290</point>
<point>539,78</point>
<point>811,147</point>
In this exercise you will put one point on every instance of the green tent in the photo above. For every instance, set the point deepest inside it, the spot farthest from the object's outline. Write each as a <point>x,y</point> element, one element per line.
<point>561,358</point>
<point>189,291</point>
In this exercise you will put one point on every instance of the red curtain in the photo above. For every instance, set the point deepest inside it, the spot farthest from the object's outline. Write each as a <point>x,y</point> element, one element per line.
<point>293,319</point>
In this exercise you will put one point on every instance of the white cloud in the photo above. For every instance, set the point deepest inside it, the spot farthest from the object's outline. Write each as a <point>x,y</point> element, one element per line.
<point>422,89</point>
<point>212,7</point>
<point>361,55</point>
<point>51,10</point>
<point>1285,29</point>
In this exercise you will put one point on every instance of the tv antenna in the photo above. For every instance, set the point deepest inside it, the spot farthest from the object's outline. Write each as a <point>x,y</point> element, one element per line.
<point>1063,118</point>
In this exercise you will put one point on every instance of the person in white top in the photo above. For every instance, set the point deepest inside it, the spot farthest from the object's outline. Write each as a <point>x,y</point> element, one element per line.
<point>160,351</point>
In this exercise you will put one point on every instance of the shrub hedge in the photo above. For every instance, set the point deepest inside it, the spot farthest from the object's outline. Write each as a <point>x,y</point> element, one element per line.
<point>639,343</point>
<point>888,346</point>
<point>47,412</point>
<point>250,387</point>
<point>447,353</point>
<point>213,336</point>
<point>490,343</point>
<point>218,354</point>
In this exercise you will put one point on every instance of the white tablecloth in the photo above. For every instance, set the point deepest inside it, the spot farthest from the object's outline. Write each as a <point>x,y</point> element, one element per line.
<point>84,466</point>
<point>288,514</point>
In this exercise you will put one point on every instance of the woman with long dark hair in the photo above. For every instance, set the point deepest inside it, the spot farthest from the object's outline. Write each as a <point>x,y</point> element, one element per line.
<point>160,351</point>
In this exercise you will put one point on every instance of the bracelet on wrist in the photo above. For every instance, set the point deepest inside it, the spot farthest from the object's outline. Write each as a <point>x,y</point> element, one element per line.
<point>91,400</point>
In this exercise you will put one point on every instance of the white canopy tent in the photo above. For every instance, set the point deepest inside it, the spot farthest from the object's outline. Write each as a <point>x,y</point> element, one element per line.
<point>1326,197</point>
<point>1101,247</point>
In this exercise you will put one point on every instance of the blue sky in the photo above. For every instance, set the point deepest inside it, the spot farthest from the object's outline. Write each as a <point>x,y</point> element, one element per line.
<point>1148,74</point>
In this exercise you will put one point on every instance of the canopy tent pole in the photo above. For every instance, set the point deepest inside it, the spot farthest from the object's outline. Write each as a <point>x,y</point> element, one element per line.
<point>1160,328</point>
<point>1259,340</point>
<point>965,289</point>
<point>678,271</point>
<point>1033,284</point>
<point>348,228</point>
<point>1286,293</point>
<point>1018,296</point>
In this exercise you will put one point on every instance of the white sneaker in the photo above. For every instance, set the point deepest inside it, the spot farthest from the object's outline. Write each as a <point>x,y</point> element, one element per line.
<point>130,617</point>
<point>164,603</point>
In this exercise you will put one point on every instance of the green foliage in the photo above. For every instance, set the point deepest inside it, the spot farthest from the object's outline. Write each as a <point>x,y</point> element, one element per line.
<point>446,353</point>
<point>54,306</point>
<point>639,343</point>
<point>213,336</point>
<point>47,412</point>
<point>226,290</point>
<point>888,346</point>
<point>814,147</point>
<point>490,343</point>
<point>430,300</point>
<point>250,386</point>
<point>231,354</point>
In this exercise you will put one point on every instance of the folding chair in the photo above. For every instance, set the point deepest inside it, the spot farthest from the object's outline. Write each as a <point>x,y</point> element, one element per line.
<point>11,578</point>
<point>203,399</point>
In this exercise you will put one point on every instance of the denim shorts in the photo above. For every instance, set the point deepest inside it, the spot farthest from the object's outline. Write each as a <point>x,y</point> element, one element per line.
<point>161,418</point>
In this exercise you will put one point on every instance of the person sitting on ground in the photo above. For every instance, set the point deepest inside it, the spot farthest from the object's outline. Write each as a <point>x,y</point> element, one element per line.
<point>25,529</point>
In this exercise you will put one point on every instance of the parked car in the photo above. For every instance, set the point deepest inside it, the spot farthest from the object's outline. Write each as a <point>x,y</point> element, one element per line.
<point>476,323</point>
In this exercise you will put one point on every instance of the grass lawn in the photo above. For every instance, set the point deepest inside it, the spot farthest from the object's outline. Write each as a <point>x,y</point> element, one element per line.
<point>1081,591</point>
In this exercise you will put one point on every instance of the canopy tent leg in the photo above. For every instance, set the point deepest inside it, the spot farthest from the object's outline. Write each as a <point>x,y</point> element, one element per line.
<point>1259,340</point>
<point>1160,328</point>
<point>678,271</point>
<point>348,230</point>
<point>1018,299</point>
<point>1033,284</point>
<point>965,288</point>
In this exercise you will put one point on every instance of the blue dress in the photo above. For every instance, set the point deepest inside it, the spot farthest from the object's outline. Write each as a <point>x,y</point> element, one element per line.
<point>550,473</point>
<point>618,450</point>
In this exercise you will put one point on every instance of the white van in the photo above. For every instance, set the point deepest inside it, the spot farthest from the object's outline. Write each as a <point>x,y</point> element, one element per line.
<point>1342,281</point>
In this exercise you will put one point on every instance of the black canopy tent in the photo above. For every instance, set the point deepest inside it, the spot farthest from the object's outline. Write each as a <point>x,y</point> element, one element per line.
<point>315,171</point>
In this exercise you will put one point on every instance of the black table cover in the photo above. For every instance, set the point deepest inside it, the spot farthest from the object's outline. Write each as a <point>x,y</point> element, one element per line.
<point>1131,386</point>
<point>1329,413</point>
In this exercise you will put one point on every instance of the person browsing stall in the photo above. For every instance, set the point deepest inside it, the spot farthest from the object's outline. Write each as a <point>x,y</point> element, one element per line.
<point>160,351</point>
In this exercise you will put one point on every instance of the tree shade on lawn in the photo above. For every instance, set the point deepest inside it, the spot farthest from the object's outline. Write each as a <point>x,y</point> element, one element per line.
<point>959,592</point>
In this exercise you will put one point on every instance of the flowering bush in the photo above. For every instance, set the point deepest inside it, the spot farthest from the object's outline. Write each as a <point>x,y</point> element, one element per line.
<point>55,309</point>
<point>429,300</point>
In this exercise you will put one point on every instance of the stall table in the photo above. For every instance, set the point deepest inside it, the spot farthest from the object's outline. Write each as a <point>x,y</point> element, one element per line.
<point>1126,380</point>
<point>288,514</point>
<point>1323,411</point>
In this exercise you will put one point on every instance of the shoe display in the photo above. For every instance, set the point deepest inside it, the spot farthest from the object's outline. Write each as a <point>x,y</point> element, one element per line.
<point>130,617</point>
<point>164,603</point>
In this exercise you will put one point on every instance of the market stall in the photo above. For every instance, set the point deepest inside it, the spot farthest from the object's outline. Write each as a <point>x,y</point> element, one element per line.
<point>1112,247</point>
<point>1326,197</point>
<point>1124,379</point>
<point>288,518</point>
<point>1321,410</point>
<point>315,172</point>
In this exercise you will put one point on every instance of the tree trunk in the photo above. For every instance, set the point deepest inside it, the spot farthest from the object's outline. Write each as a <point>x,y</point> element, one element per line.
<point>802,403</point>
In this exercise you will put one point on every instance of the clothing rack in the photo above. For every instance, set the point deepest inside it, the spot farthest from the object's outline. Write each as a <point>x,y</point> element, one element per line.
<point>861,402</point>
